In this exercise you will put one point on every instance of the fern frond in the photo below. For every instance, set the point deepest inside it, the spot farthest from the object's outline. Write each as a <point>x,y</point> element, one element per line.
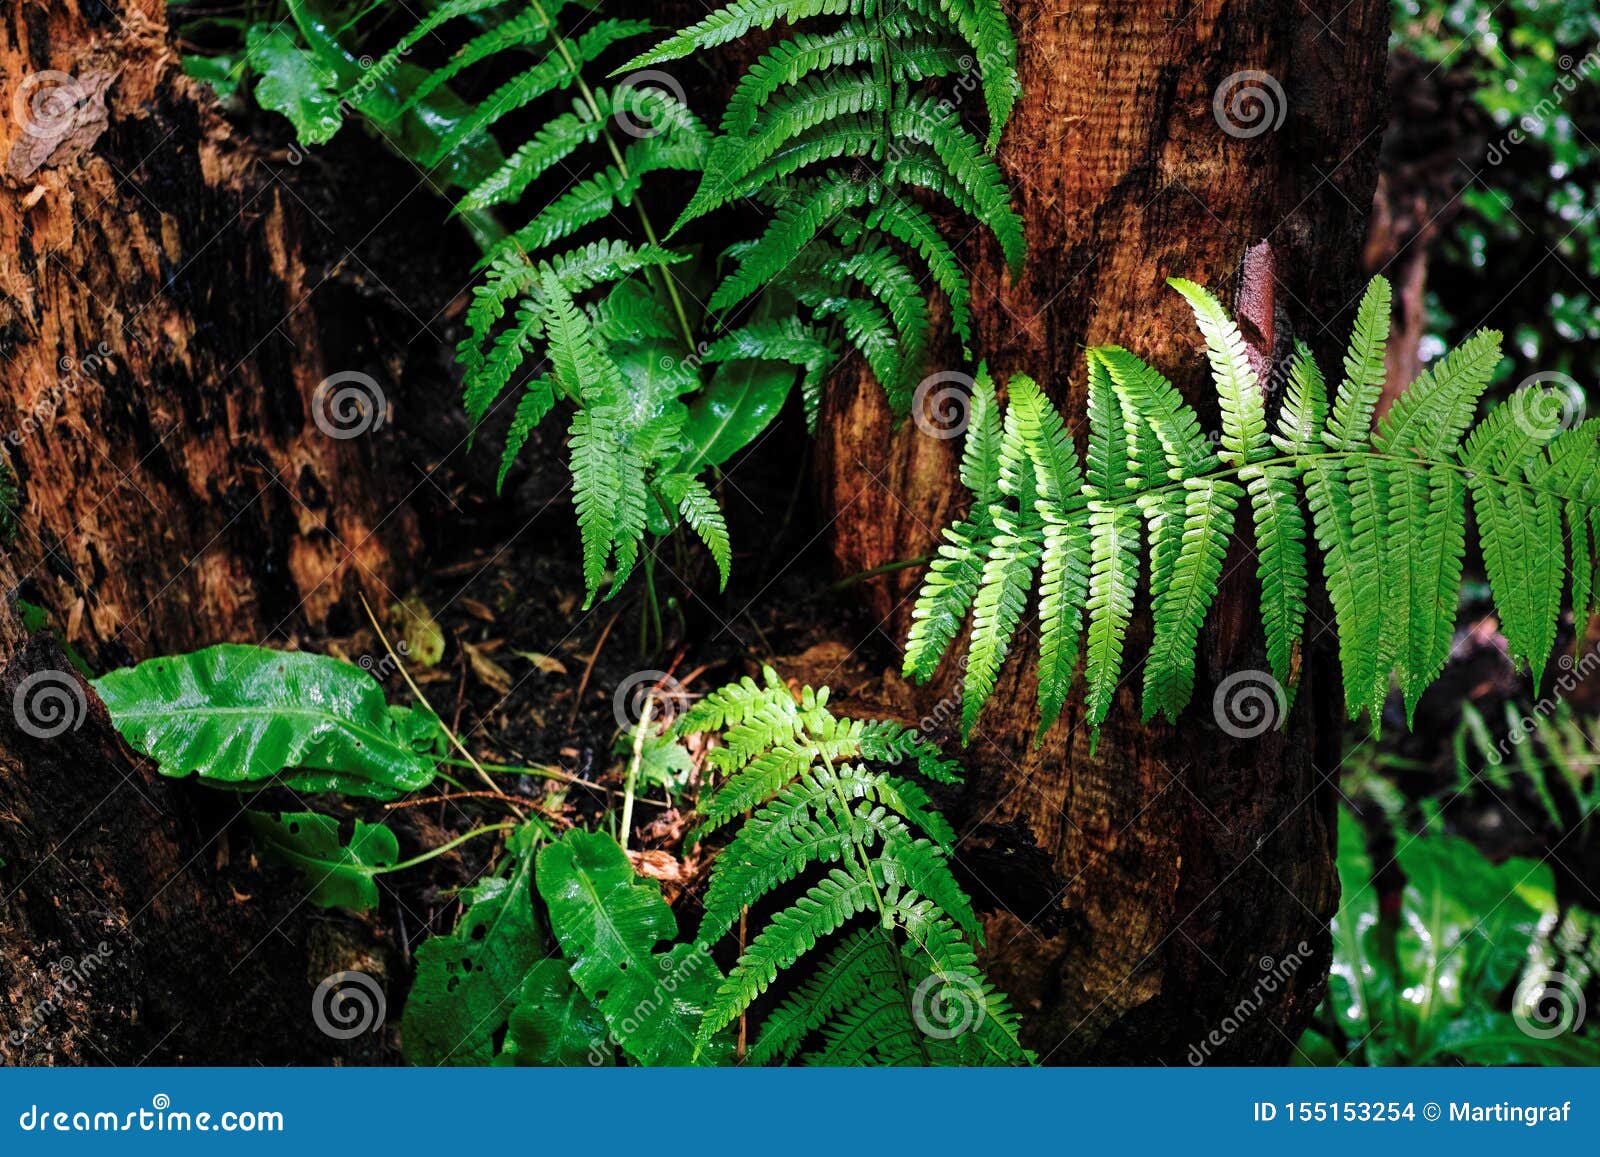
<point>1388,513</point>
<point>699,508</point>
<point>1350,423</point>
<point>815,101</point>
<point>864,842</point>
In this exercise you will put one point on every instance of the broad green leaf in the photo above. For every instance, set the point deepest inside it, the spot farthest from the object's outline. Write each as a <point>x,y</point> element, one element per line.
<point>340,875</point>
<point>1438,977</point>
<point>737,404</point>
<point>469,981</point>
<point>554,1024</point>
<point>294,83</point>
<point>610,923</point>
<point>239,715</point>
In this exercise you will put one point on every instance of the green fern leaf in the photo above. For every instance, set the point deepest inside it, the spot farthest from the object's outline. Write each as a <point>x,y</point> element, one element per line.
<point>1280,532</point>
<point>1181,603</point>
<point>1305,407</point>
<point>1350,423</point>
<point>1244,418</point>
<point>1113,575</point>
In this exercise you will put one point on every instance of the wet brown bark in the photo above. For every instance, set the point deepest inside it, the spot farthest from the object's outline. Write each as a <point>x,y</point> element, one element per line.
<point>174,489</point>
<point>1137,892</point>
<point>162,353</point>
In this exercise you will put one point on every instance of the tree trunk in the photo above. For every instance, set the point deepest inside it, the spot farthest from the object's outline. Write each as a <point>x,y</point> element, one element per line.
<point>1137,894</point>
<point>183,478</point>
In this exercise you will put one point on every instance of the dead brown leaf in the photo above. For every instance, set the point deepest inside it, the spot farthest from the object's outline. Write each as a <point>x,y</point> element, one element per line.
<point>490,673</point>
<point>62,117</point>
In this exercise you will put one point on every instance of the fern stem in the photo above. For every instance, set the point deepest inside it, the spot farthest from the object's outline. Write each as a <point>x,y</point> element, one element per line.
<point>1338,457</point>
<point>622,167</point>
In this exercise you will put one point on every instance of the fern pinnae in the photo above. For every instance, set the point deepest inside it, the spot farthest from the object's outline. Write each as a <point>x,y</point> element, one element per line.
<point>538,399</point>
<point>1437,579</point>
<point>997,610</point>
<point>1150,406</point>
<point>826,906</point>
<point>595,481</point>
<point>1113,576</point>
<point>1350,421</point>
<point>1367,676</point>
<point>1181,604</point>
<point>861,963</point>
<point>1244,418</point>
<point>699,509</point>
<point>1280,533</point>
<point>1063,589</point>
<point>882,852</point>
<point>817,109</point>
<point>1388,514</point>
<point>1305,406</point>
<point>1106,466</point>
<point>1430,418</point>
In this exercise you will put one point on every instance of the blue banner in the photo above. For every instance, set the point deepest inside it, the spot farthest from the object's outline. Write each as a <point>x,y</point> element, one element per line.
<point>811,1112</point>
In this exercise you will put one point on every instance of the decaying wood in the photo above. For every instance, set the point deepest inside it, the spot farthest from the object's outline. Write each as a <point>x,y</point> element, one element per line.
<point>1136,892</point>
<point>163,357</point>
<point>162,351</point>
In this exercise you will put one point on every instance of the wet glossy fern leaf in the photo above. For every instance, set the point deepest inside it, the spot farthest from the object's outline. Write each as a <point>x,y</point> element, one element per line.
<point>882,922</point>
<point>1153,505</point>
<point>836,130</point>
